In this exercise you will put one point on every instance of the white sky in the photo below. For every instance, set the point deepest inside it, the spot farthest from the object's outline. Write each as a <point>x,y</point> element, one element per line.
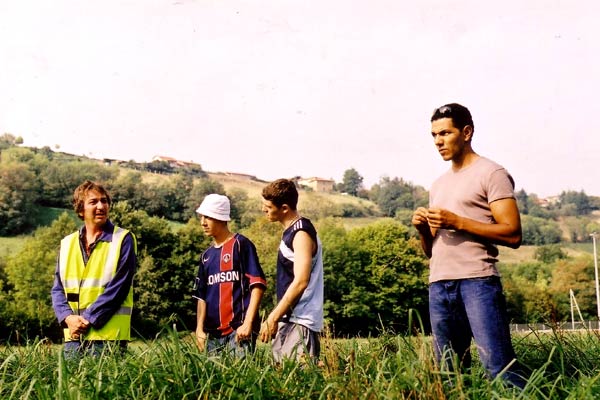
<point>278,88</point>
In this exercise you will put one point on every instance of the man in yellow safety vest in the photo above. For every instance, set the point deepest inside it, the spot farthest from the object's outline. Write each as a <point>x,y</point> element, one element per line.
<point>92,295</point>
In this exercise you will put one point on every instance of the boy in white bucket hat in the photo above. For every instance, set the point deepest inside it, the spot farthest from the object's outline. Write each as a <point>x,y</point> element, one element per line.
<point>229,285</point>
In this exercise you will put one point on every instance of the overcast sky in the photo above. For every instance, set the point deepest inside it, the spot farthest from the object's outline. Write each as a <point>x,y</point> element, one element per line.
<point>278,88</point>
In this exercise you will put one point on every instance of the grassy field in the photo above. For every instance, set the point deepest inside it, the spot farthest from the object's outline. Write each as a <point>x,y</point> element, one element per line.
<point>527,253</point>
<point>561,366</point>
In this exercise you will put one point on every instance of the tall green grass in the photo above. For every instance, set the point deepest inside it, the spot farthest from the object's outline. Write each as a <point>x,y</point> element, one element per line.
<point>563,366</point>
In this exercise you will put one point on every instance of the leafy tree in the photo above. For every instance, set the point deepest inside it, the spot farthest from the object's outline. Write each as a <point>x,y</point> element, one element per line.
<point>527,296</point>
<point>168,262</point>
<point>522,201</point>
<point>538,231</point>
<point>30,274</point>
<point>352,182</point>
<point>153,290</point>
<point>242,207</point>
<point>576,274</point>
<point>60,179</point>
<point>374,275</point>
<point>394,194</point>
<point>575,203</point>
<point>549,253</point>
<point>175,193</point>
<point>159,167</point>
<point>577,228</point>
<point>18,192</point>
<point>130,187</point>
<point>7,140</point>
<point>266,237</point>
<point>193,170</point>
<point>592,227</point>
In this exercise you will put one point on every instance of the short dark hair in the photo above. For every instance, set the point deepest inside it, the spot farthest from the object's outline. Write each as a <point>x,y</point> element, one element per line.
<point>460,115</point>
<point>280,192</point>
<point>82,190</point>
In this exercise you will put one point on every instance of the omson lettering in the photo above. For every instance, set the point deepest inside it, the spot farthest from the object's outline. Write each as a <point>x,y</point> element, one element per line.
<point>225,276</point>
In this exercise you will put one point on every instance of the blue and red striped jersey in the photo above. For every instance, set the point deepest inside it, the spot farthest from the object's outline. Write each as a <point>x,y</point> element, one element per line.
<point>224,280</point>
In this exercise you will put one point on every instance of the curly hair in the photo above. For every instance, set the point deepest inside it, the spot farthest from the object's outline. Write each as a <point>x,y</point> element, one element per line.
<point>81,192</point>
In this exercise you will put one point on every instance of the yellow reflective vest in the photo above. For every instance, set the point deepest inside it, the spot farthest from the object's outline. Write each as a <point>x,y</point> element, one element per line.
<point>84,283</point>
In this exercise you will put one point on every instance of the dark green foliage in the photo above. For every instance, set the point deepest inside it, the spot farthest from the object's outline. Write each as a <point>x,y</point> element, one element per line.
<point>130,187</point>
<point>351,183</point>
<point>539,291</point>
<point>41,177</point>
<point>30,274</point>
<point>59,180</point>
<point>168,263</point>
<point>266,237</point>
<point>575,203</point>
<point>549,253</point>
<point>17,197</point>
<point>522,201</point>
<point>527,295</point>
<point>373,276</point>
<point>538,231</point>
<point>569,203</point>
<point>159,167</point>
<point>394,194</point>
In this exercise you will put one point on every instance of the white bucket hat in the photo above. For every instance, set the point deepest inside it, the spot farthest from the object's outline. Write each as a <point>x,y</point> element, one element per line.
<point>215,206</point>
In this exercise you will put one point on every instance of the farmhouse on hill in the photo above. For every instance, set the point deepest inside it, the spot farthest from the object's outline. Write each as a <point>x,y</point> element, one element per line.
<point>317,184</point>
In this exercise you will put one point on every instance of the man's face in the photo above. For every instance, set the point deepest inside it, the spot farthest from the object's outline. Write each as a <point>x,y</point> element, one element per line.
<point>210,225</point>
<point>95,208</point>
<point>449,140</point>
<point>272,212</point>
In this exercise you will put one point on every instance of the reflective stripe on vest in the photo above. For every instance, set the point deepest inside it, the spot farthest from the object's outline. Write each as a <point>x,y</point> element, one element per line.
<point>84,283</point>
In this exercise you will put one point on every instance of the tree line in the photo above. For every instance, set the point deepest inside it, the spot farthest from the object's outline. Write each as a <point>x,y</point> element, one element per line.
<point>374,275</point>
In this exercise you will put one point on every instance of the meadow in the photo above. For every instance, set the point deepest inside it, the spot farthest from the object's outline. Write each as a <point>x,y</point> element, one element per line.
<point>562,366</point>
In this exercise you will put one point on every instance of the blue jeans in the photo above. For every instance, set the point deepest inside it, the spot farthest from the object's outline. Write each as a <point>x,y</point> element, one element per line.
<point>229,344</point>
<point>472,308</point>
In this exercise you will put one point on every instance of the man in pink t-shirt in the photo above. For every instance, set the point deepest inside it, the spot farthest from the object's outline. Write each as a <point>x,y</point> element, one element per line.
<point>472,209</point>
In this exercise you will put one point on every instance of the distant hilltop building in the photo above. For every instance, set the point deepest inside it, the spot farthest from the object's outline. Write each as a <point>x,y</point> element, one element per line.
<point>549,201</point>
<point>175,163</point>
<point>317,184</point>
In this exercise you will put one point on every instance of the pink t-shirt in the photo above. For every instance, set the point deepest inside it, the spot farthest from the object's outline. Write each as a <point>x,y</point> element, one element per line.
<point>468,193</point>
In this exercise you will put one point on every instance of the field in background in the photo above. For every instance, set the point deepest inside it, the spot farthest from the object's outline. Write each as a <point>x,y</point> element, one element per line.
<point>527,253</point>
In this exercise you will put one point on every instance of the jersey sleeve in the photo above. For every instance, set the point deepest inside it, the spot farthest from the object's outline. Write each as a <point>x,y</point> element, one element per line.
<point>252,269</point>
